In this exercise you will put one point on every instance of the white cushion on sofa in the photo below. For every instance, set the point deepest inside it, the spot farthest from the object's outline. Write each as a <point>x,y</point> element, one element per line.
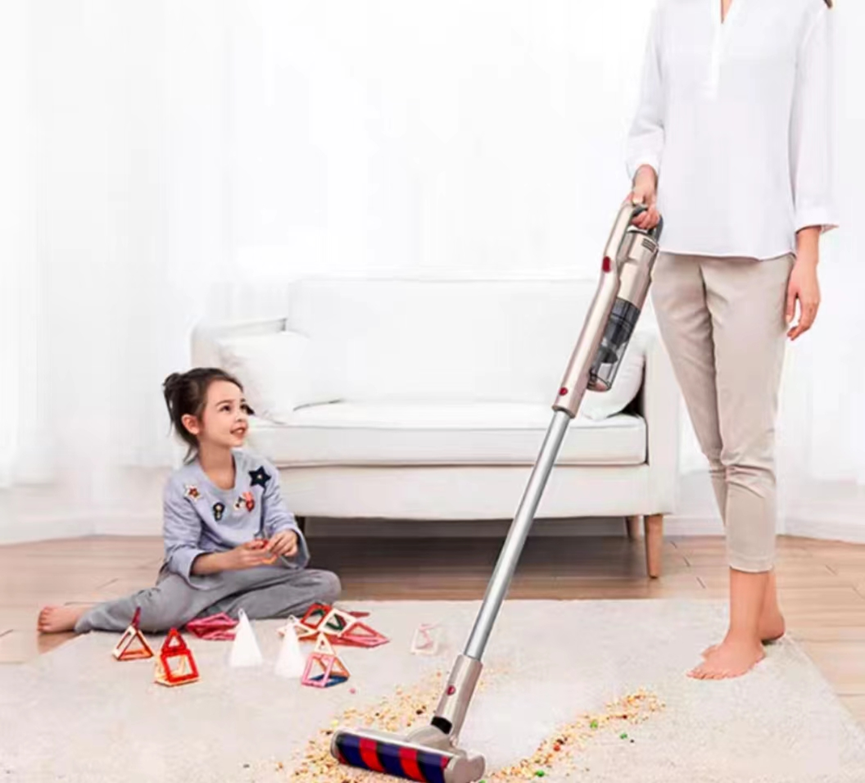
<point>626,384</point>
<point>280,372</point>
<point>361,433</point>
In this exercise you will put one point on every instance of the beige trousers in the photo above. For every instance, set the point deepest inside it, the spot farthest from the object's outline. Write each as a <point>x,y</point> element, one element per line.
<point>722,321</point>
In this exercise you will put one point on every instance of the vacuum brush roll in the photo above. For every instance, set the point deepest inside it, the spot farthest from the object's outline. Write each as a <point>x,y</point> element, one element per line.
<point>399,757</point>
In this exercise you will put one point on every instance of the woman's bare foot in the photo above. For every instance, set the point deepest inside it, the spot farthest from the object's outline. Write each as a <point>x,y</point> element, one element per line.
<point>732,658</point>
<point>57,619</point>
<point>772,628</point>
<point>771,625</point>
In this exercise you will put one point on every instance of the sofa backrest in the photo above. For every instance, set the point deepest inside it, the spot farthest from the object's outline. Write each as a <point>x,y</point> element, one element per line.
<point>499,340</point>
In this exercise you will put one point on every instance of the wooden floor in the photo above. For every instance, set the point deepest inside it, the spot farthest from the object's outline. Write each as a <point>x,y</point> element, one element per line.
<point>821,584</point>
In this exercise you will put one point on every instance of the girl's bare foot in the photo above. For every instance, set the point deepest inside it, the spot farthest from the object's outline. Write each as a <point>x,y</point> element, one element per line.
<point>732,658</point>
<point>56,619</point>
<point>772,628</point>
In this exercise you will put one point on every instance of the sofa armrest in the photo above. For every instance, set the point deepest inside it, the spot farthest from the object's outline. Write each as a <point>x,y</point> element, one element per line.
<point>205,336</point>
<point>658,403</point>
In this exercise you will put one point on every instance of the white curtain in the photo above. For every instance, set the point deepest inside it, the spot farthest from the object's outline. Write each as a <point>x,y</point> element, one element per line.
<point>165,161</point>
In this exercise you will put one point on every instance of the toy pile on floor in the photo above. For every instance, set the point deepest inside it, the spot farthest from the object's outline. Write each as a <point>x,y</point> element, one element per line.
<point>324,624</point>
<point>329,626</point>
<point>174,664</point>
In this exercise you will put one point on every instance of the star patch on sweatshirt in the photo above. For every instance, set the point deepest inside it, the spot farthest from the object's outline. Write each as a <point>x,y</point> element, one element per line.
<point>191,491</point>
<point>259,477</point>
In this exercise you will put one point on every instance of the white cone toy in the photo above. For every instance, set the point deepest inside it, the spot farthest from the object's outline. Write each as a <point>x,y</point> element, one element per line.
<point>245,650</point>
<point>291,661</point>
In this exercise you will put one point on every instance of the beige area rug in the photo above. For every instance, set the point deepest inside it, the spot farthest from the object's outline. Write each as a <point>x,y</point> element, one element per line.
<point>76,714</point>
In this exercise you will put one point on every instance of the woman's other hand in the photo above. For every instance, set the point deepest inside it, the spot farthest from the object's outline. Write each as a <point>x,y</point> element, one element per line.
<point>803,285</point>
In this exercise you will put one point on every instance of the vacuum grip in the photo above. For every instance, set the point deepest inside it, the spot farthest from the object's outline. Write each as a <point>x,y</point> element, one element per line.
<point>657,230</point>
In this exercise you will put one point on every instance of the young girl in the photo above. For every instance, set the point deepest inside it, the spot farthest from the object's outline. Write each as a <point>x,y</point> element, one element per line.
<point>230,542</point>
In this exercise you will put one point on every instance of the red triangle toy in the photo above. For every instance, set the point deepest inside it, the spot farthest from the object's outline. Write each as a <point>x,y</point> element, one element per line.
<point>132,645</point>
<point>175,664</point>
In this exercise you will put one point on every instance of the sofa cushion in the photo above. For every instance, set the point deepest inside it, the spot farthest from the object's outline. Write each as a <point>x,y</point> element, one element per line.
<point>455,341</point>
<point>280,372</point>
<point>626,385</point>
<point>397,433</point>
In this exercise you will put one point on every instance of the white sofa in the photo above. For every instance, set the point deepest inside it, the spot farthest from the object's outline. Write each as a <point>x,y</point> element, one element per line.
<point>429,399</point>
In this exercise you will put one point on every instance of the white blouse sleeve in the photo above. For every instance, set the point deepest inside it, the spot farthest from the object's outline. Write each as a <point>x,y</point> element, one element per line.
<point>811,140</point>
<point>646,137</point>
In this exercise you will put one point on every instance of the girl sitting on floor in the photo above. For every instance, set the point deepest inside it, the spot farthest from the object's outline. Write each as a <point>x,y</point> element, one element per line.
<point>230,541</point>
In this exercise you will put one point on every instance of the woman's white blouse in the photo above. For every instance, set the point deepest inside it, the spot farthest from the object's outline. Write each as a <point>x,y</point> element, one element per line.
<point>736,118</point>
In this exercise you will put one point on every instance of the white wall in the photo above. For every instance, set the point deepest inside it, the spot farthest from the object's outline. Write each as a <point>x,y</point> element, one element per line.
<point>419,136</point>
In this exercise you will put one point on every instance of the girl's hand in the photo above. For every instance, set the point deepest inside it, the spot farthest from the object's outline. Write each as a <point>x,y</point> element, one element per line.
<point>805,288</point>
<point>283,544</point>
<point>645,192</point>
<point>249,555</point>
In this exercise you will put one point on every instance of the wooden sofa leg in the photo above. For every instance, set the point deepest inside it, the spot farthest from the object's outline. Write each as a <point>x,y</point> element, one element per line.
<point>654,525</point>
<point>633,527</point>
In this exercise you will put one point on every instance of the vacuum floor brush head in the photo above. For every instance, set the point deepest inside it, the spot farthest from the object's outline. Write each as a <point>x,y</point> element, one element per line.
<point>397,756</point>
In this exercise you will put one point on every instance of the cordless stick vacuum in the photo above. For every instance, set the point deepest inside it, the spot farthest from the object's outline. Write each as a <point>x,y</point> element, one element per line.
<point>430,753</point>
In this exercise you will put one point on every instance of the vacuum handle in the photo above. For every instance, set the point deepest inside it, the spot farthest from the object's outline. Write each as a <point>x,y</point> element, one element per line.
<point>654,232</point>
<point>510,554</point>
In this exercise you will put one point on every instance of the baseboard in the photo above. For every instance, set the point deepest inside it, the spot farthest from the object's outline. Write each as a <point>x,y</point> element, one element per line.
<point>606,526</point>
<point>487,528</point>
<point>128,525</point>
<point>45,529</point>
<point>846,532</point>
<point>149,525</point>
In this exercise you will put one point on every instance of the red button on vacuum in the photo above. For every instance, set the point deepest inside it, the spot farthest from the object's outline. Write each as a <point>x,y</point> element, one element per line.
<point>607,265</point>
<point>451,690</point>
<point>563,391</point>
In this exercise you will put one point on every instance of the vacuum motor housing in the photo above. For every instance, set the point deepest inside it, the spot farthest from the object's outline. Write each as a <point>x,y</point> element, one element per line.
<point>638,252</point>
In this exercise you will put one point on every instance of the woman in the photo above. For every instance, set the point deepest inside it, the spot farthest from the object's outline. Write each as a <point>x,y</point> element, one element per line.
<point>733,129</point>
